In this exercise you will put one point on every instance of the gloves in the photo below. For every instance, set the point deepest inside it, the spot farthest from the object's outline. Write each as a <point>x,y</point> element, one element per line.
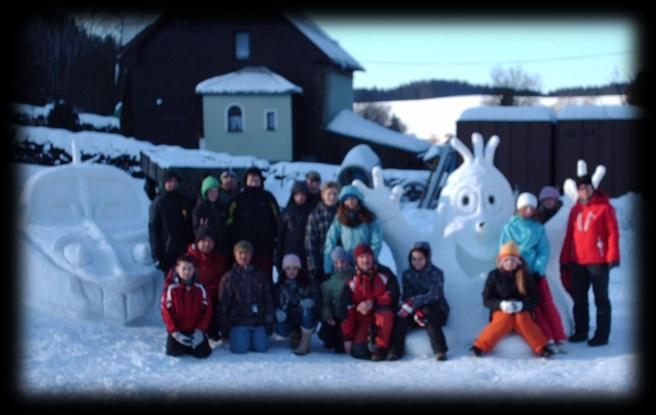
<point>281,315</point>
<point>507,306</point>
<point>197,338</point>
<point>420,318</point>
<point>182,338</point>
<point>307,303</point>
<point>406,309</point>
<point>517,306</point>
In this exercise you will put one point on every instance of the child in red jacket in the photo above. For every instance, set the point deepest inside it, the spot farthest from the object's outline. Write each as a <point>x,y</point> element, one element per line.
<point>186,311</point>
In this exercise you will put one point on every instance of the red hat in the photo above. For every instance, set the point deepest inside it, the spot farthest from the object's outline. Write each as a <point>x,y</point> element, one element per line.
<point>362,249</point>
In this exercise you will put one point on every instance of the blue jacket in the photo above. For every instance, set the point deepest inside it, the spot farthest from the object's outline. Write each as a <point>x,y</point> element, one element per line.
<point>350,237</point>
<point>532,240</point>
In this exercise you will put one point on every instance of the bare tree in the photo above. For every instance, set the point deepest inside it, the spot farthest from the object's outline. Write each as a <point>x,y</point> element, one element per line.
<point>381,114</point>
<point>513,86</point>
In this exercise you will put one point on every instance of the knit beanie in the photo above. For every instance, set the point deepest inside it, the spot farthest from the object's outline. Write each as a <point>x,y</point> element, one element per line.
<point>510,248</point>
<point>423,247</point>
<point>339,254</point>
<point>549,192</point>
<point>527,199</point>
<point>208,183</point>
<point>202,232</point>
<point>168,175</point>
<point>361,250</point>
<point>291,260</point>
<point>585,179</point>
<point>350,191</point>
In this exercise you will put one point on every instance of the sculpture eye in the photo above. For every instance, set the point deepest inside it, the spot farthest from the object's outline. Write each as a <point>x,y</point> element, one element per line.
<point>490,199</point>
<point>465,200</point>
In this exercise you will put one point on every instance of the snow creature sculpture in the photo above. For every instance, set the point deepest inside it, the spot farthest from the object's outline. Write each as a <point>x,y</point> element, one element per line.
<point>91,222</point>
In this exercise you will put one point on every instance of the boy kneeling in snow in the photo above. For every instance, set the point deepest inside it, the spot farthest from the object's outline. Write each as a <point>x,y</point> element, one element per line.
<point>511,295</point>
<point>370,298</point>
<point>186,311</point>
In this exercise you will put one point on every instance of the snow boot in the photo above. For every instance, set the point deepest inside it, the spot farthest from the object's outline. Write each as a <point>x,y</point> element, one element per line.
<point>304,344</point>
<point>379,354</point>
<point>441,356</point>
<point>477,352</point>
<point>578,337</point>
<point>546,352</point>
<point>295,339</point>
<point>597,341</point>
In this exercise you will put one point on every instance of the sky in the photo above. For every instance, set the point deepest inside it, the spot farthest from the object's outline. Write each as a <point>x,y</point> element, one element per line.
<point>561,52</point>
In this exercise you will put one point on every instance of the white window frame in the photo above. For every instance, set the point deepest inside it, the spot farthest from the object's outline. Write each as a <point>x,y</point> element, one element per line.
<point>227,118</point>
<point>239,47</point>
<point>275,119</point>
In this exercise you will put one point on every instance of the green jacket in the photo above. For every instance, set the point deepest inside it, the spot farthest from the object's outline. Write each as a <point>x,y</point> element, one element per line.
<point>331,290</point>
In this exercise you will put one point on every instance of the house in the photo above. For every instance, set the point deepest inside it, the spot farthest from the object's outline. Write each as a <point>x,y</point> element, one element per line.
<point>161,68</point>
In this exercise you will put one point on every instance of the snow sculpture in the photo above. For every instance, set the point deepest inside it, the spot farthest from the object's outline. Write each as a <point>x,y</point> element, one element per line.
<point>91,222</point>
<point>474,205</point>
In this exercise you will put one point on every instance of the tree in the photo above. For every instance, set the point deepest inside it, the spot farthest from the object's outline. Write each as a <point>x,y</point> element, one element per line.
<point>513,86</point>
<point>381,114</point>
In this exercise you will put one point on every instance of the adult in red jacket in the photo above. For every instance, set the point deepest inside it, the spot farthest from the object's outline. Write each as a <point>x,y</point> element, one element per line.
<point>590,250</point>
<point>186,310</point>
<point>370,299</point>
<point>210,266</point>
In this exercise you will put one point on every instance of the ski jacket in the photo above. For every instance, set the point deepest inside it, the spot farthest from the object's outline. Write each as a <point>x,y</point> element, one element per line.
<point>532,240</point>
<point>500,285</point>
<point>289,293</point>
<point>245,298</point>
<point>592,234</point>
<point>253,216</point>
<point>425,287</point>
<point>169,227</point>
<point>350,237</point>
<point>331,291</point>
<point>210,269</point>
<point>185,307</point>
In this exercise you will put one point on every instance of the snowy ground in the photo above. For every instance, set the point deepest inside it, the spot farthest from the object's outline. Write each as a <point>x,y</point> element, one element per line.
<point>63,355</point>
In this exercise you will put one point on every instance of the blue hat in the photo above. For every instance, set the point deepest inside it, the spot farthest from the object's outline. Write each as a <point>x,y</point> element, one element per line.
<point>350,191</point>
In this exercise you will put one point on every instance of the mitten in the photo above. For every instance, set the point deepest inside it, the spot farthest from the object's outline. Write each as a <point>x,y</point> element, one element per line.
<point>517,306</point>
<point>307,303</point>
<point>506,306</point>
<point>420,318</point>
<point>406,309</point>
<point>182,338</point>
<point>197,338</point>
<point>281,315</point>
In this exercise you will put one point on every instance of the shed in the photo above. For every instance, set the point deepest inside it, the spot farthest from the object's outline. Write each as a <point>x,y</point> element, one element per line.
<point>526,151</point>
<point>608,135</point>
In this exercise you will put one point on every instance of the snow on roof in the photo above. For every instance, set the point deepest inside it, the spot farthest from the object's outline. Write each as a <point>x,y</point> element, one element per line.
<point>349,124</point>
<point>523,113</point>
<point>325,43</point>
<point>174,156</point>
<point>600,112</point>
<point>249,80</point>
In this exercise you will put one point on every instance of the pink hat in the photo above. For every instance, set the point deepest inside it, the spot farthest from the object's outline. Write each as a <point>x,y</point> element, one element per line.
<point>291,260</point>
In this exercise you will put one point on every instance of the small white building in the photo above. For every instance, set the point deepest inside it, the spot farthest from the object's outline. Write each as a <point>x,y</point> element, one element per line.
<point>249,112</point>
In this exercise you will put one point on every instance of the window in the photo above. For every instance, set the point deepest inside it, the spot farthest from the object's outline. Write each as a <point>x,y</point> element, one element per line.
<point>235,119</point>
<point>242,45</point>
<point>270,120</point>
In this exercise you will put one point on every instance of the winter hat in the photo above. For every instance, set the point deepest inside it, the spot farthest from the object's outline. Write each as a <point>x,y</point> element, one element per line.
<point>313,175</point>
<point>300,187</point>
<point>362,249</point>
<point>168,175</point>
<point>291,260</point>
<point>227,173</point>
<point>527,199</point>
<point>510,248</point>
<point>350,191</point>
<point>255,171</point>
<point>423,247</point>
<point>339,254</point>
<point>549,192</point>
<point>209,182</point>
<point>585,179</point>
<point>243,246</point>
<point>202,232</point>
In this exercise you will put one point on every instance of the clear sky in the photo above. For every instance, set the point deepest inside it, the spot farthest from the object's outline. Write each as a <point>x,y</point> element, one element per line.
<point>562,52</point>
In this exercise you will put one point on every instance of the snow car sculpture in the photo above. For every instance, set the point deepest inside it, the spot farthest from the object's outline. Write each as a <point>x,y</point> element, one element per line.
<point>90,220</point>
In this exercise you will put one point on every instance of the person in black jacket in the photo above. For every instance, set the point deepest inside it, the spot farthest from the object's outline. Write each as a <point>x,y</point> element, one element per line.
<point>169,224</point>
<point>424,304</point>
<point>253,217</point>
<point>293,221</point>
<point>209,213</point>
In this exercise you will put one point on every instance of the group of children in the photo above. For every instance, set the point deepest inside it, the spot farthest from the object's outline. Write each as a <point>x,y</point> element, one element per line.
<point>329,277</point>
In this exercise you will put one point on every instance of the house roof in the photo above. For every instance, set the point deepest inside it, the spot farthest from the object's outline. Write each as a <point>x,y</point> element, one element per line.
<point>249,80</point>
<point>349,124</point>
<point>600,112</point>
<point>309,29</point>
<point>522,113</point>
